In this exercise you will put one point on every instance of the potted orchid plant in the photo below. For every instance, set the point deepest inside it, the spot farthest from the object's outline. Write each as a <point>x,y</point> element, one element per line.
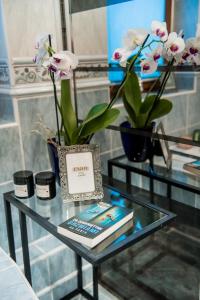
<point>60,66</point>
<point>142,112</point>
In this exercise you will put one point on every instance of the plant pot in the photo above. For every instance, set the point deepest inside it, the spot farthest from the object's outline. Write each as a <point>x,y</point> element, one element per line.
<point>54,160</point>
<point>137,148</point>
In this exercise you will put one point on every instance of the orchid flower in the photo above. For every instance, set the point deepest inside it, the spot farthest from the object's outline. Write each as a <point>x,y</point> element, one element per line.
<point>134,38</point>
<point>160,30</point>
<point>192,50</point>
<point>41,45</point>
<point>148,66</point>
<point>175,44</point>
<point>155,54</point>
<point>121,55</point>
<point>62,64</point>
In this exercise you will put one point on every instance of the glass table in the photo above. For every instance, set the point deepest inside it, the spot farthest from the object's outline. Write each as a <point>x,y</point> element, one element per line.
<point>156,170</point>
<point>148,218</point>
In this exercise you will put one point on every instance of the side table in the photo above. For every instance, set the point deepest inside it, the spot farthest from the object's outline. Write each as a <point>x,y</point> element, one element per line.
<point>148,218</point>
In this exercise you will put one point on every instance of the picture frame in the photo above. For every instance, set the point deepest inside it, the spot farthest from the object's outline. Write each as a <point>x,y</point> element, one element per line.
<point>167,156</point>
<point>80,172</point>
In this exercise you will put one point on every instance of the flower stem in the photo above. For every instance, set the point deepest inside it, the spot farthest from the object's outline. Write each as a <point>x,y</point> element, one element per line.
<point>161,90</point>
<point>129,69</point>
<point>55,94</point>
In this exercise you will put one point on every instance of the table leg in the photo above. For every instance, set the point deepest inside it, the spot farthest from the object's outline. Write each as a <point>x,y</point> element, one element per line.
<point>128,177</point>
<point>95,283</point>
<point>151,180</point>
<point>110,170</point>
<point>80,274</point>
<point>151,188</point>
<point>169,195</point>
<point>9,226</point>
<point>25,250</point>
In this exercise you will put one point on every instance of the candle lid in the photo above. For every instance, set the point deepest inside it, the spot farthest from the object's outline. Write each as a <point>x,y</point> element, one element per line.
<point>23,177</point>
<point>44,178</point>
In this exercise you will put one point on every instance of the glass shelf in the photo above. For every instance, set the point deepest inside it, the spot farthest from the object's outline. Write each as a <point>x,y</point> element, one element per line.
<point>177,176</point>
<point>147,219</point>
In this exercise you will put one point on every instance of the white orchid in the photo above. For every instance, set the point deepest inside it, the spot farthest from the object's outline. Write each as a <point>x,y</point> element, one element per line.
<point>148,66</point>
<point>41,44</point>
<point>160,30</point>
<point>175,44</point>
<point>192,51</point>
<point>62,64</point>
<point>156,53</point>
<point>121,55</point>
<point>134,38</point>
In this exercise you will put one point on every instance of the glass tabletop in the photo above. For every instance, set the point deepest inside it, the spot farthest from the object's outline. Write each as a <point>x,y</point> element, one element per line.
<point>177,173</point>
<point>147,219</point>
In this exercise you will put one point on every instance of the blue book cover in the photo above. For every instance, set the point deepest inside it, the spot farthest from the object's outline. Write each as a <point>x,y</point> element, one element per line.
<point>100,219</point>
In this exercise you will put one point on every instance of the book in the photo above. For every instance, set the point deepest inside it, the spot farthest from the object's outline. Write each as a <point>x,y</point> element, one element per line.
<point>94,224</point>
<point>119,233</point>
<point>193,167</point>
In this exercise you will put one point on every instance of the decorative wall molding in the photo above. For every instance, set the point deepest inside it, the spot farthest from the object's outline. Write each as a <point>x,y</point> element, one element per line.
<point>30,74</point>
<point>27,72</point>
<point>32,81</point>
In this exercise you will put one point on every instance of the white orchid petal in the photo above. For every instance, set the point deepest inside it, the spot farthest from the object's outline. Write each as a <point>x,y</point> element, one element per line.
<point>160,30</point>
<point>134,38</point>
<point>148,66</point>
<point>175,44</point>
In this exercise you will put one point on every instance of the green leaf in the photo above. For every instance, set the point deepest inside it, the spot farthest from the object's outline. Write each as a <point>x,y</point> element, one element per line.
<point>141,120</point>
<point>67,111</point>
<point>130,111</point>
<point>147,104</point>
<point>95,112</point>
<point>99,123</point>
<point>162,108</point>
<point>132,92</point>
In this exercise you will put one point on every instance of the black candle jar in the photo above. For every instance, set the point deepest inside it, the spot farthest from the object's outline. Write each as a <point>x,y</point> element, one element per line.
<point>45,185</point>
<point>23,184</point>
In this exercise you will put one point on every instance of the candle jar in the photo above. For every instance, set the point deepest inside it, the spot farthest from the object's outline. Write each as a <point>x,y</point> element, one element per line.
<point>45,185</point>
<point>23,184</point>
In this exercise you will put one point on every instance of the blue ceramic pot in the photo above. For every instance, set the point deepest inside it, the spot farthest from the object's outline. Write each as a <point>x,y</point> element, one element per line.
<point>54,160</point>
<point>137,148</point>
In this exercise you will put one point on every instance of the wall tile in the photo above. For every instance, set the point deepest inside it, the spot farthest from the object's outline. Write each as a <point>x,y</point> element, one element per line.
<point>34,253</point>
<point>6,109</point>
<point>47,296</point>
<point>65,288</point>
<point>40,275</point>
<point>103,138</point>
<point>194,109</point>
<point>61,264</point>
<point>48,244</point>
<point>35,148</point>
<point>185,197</point>
<point>87,99</point>
<point>176,119</point>
<point>10,154</point>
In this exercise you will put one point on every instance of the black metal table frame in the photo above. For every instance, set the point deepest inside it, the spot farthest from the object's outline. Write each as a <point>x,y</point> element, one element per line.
<point>80,251</point>
<point>115,162</point>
